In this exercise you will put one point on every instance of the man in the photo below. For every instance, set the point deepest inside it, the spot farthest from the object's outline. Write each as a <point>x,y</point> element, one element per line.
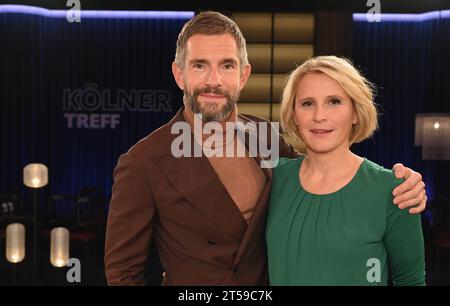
<point>205,215</point>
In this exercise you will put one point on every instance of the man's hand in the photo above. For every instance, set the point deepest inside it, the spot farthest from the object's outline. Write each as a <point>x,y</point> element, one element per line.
<point>411,193</point>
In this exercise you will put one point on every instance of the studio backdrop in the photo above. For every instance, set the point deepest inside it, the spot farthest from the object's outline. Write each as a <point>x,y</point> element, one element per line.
<point>75,96</point>
<point>407,58</point>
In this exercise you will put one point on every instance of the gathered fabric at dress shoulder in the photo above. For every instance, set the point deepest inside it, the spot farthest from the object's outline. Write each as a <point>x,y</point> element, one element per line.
<point>354,236</point>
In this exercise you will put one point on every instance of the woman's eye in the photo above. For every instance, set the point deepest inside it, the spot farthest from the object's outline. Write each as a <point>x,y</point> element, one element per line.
<point>306,103</point>
<point>335,102</point>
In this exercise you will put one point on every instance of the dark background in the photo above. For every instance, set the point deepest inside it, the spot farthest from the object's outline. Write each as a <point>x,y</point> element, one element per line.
<point>43,57</point>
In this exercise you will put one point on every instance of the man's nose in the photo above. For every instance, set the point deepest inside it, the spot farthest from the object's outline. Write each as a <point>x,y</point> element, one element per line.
<point>214,78</point>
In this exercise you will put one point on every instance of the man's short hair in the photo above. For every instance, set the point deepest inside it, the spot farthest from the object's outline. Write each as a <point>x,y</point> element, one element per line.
<point>210,23</point>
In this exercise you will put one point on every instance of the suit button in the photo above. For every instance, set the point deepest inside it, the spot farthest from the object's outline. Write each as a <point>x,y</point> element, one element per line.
<point>212,242</point>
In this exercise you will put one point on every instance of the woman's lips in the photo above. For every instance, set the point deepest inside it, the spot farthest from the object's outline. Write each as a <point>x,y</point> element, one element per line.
<point>320,131</point>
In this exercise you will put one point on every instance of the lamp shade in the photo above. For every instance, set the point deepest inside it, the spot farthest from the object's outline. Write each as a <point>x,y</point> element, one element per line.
<point>59,247</point>
<point>35,175</point>
<point>15,242</point>
<point>432,132</point>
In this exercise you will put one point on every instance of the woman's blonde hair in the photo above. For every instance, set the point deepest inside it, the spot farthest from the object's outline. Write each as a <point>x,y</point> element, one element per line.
<point>360,90</point>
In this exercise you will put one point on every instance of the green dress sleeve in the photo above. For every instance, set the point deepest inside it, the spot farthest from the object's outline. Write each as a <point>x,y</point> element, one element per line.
<point>405,246</point>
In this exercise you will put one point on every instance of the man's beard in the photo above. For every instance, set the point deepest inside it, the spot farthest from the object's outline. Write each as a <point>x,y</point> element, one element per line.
<point>211,111</point>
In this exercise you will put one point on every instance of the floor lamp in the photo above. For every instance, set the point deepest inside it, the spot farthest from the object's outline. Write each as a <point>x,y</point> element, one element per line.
<point>59,249</point>
<point>15,246</point>
<point>35,176</point>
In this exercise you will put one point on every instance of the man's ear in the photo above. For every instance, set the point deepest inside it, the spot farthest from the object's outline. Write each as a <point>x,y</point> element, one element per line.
<point>245,74</point>
<point>178,75</point>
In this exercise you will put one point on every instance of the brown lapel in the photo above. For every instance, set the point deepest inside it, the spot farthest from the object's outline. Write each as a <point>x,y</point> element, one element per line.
<point>196,180</point>
<point>257,221</point>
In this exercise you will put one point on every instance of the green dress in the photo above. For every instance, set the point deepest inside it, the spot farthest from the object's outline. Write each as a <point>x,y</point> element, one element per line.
<point>354,236</point>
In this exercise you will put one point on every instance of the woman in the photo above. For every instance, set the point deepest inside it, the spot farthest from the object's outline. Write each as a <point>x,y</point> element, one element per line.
<point>331,219</point>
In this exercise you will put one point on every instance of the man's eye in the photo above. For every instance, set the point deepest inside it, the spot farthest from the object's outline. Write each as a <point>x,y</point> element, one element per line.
<point>198,66</point>
<point>228,66</point>
<point>335,102</point>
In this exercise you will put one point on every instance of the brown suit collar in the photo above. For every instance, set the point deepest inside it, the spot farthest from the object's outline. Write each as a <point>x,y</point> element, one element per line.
<point>196,180</point>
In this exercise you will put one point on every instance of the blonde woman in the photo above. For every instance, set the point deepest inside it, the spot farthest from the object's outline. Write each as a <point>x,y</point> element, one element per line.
<point>331,219</point>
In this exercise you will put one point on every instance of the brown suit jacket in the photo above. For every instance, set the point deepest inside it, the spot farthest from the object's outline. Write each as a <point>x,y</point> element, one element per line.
<point>180,205</point>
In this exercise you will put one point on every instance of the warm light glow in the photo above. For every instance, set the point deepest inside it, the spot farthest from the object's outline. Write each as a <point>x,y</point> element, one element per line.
<point>432,132</point>
<point>15,242</point>
<point>59,247</point>
<point>60,263</point>
<point>35,175</point>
